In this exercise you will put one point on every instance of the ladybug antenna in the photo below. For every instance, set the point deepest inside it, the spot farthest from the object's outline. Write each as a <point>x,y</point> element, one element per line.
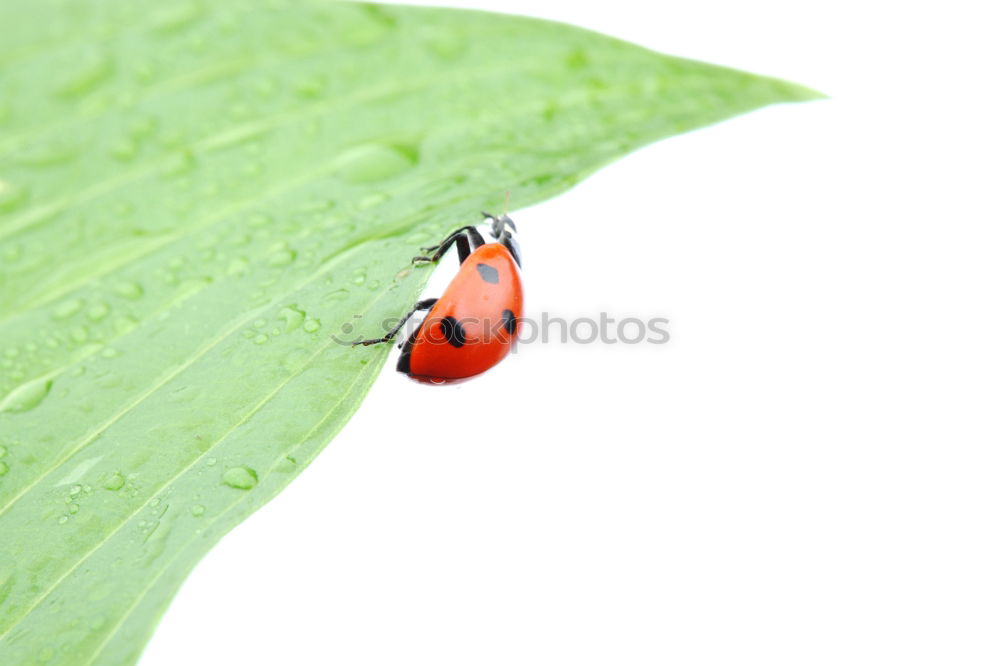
<point>499,225</point>
<point>505,219</point>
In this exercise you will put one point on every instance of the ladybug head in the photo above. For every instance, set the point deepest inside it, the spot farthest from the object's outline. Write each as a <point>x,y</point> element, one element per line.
<point>501,226</point>
<point>502,229</point>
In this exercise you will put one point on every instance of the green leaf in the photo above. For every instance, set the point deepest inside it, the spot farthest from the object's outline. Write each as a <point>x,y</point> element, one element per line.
<point>194,197</point>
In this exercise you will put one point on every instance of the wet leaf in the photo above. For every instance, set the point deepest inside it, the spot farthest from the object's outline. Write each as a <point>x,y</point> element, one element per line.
<point>195,198</point>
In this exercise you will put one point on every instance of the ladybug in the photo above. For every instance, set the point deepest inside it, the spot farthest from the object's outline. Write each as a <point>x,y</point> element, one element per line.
<point>473,325</point>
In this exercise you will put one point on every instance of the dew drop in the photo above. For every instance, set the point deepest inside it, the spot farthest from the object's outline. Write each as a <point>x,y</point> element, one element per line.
<point>338,295</point>
<point>359,276</point>
<point>4,468</point>
<point>282,258</point>
<point>310,87</point>
<point>75,490</point>
<point>341,229</point>
<point>27,396</point>
<point>73,508</point>
<point>211,461</point>
<point>260,339</point>
<point>125,324</point>
<point>98,312</point>
<point>125,149</point>
<point>238,266</point>
<point>67,309</point>
<point>142,126</point>
<point>79,334</point>
<point>377,25</point>
<point>62,520</point>
<point>372,200</point>
<point>260,323</point>
<point>11,196</point>
<point>129,290</point>
<point>177,17</point>
<point>197,510</point>
<point>179,163</point>
<point>446,45</point>
<point>3,451</point>
<point>373,285</point>
<point>376,161</point>
<point>577,59</point>
<point>114,481</point>
<point>311,325</point>
<point>242,478</point>
<point>292,316</point>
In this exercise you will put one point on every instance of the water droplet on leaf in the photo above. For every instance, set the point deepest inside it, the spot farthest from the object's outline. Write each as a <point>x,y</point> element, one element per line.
<point>376,161</point>
<point>11,196</point>
<point>292,316</point>
<point>114,481</point>
<point>129,290</point>
<point>98,312</point>
<point>242,478</point>
<point>67,309</point>
<point>27,396</point>
<point>282,258</point>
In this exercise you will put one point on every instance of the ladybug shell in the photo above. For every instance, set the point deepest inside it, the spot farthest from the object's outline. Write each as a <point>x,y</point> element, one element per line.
<point>474,323</point>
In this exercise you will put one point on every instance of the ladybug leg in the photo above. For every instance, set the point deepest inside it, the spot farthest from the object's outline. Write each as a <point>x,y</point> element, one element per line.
<point>425,304</point>
<point>464,238</point>
<point>449,239</point>
<point>476,238</point>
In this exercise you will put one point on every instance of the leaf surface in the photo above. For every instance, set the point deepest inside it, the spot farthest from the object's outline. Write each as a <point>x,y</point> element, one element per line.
<point>194,198</point>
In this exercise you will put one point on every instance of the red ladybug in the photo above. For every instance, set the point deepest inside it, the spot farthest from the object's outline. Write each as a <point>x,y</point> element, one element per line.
<point>475,322</point>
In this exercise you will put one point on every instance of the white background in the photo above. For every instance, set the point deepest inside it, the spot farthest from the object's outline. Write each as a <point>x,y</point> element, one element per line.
<point>806,474</point>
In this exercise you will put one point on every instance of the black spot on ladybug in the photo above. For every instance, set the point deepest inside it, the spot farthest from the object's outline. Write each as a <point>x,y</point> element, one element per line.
<point>488,273</point>
<point>453,331</point>
<point>509,321</point>
<point>404,358</point>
